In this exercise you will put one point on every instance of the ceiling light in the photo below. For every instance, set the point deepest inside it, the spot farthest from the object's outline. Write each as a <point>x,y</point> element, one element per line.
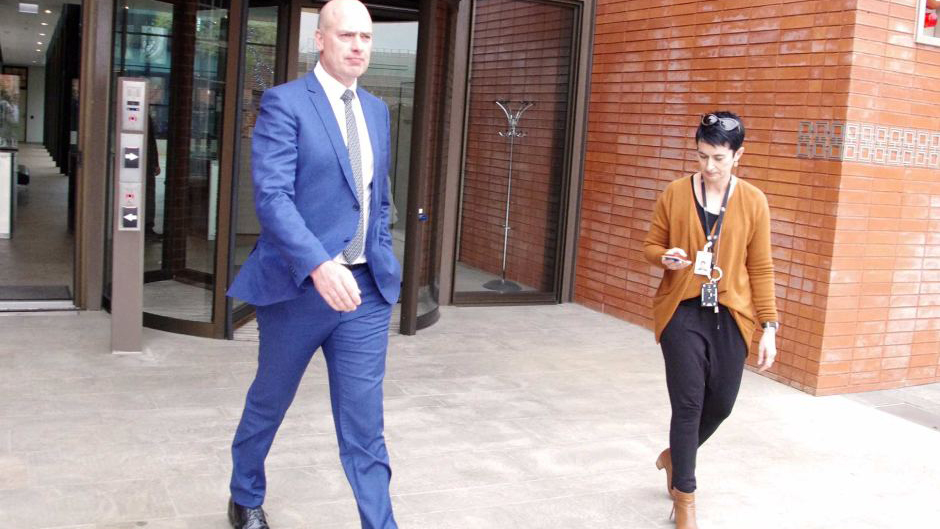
<point>37,49</point>
<point>48,11</point>
<point>42,34</point>
<point>40,43</point>
<point>32,9</point>
<point>44,23</point>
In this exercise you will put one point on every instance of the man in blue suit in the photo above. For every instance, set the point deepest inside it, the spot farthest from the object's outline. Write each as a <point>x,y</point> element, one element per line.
<point>323,273</point>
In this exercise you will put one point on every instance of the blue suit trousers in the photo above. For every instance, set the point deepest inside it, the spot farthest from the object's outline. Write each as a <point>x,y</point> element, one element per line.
<point>354,347</point>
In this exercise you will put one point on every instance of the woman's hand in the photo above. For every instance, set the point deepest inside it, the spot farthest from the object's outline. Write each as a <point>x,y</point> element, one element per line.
<point>675,259</point>
<point>767,349</point>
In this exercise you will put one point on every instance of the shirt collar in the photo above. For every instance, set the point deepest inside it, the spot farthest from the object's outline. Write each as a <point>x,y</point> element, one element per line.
<point>333,88</point>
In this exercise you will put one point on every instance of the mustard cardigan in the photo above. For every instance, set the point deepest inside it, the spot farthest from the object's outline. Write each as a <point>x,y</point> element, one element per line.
<point>744,255</point>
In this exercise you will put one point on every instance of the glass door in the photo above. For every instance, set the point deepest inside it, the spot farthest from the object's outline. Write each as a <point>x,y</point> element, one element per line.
<point>390,77</point>
<point>263,66</point>
<point>181,48</point>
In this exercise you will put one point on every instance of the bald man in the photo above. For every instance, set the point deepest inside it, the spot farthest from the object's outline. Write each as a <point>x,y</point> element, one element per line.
<point>323,274</point>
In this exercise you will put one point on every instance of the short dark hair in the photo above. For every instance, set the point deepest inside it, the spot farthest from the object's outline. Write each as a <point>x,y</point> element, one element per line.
<point>717,136</point>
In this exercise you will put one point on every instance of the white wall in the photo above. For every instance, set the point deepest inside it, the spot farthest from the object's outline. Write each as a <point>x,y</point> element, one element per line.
<point>36,103</point>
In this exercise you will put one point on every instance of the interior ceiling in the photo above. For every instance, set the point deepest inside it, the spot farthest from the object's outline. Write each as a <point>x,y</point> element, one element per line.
<point>20,32</point>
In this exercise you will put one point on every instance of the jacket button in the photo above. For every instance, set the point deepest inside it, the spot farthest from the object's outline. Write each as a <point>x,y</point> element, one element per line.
<point>346,240</point>
<point>356,207</point>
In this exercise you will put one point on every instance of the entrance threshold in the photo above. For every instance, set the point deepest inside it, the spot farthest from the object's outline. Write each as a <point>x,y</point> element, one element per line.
<point>36,306</point>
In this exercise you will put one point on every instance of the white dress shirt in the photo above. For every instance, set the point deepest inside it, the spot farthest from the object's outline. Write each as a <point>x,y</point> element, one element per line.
<point>334,93</point>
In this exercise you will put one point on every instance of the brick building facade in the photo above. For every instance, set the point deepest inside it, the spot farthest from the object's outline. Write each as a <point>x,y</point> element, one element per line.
<point>839,101</point>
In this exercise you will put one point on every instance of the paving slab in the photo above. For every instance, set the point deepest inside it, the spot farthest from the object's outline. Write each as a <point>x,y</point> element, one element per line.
<point>497,417</point>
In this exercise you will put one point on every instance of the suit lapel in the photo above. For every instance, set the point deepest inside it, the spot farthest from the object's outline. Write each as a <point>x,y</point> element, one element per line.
<point>328,117</point>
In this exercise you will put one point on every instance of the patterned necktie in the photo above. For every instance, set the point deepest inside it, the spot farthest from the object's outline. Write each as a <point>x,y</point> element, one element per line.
<point>354,249</point>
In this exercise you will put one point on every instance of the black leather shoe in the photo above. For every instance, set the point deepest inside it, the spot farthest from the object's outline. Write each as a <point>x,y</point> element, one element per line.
<point>246,517</point>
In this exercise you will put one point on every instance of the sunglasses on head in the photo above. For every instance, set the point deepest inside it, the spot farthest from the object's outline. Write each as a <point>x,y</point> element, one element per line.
<point>729,124</point>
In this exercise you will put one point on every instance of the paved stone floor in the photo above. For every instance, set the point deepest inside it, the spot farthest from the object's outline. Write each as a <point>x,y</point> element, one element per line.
<point>523,417</point>
<point>40,252</point>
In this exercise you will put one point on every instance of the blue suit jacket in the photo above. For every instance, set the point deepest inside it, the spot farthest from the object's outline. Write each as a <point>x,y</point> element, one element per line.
<point>305,195</point>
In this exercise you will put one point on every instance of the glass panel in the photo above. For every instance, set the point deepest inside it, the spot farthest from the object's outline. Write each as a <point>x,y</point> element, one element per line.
<point>259,74</point>
<point>437,113</point>
<point>390,77</point>
<point>181,49</point>
<point>512,177</point>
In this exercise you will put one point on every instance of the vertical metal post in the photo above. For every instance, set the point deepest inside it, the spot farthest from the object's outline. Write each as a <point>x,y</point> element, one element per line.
<point>130,163</point>
<point>513,116</point>
<point>416,209</point>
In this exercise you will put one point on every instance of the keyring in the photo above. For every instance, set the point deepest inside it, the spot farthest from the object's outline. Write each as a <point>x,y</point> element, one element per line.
<point>720,274</point>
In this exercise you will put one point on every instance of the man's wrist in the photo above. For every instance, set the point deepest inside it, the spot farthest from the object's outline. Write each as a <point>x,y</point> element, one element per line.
<point>771,325</point>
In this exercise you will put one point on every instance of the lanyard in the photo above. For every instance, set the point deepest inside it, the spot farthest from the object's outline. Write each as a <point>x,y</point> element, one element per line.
<point>716,228</point>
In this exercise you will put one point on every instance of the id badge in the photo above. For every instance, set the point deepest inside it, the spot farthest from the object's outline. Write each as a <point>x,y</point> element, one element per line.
<point>703,263</point>
<point>710,295</point>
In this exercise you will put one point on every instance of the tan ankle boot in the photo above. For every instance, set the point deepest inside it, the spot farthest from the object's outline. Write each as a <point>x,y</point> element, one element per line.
<point>665,461</point>
<point>683,508</point>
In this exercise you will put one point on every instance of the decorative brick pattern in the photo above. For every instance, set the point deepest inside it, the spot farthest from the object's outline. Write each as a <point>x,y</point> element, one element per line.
<point>868,143</point>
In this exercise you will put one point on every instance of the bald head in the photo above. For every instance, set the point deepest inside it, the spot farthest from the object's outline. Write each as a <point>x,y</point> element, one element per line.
<point>344,39</point>
<point>340,8</point>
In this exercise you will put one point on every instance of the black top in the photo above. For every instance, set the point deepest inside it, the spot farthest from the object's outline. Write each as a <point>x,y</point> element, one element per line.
<point>702,214</point>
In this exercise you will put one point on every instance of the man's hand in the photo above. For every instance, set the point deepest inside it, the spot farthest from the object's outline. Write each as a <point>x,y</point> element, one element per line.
<point>337,286</point>
<point>767,349</point>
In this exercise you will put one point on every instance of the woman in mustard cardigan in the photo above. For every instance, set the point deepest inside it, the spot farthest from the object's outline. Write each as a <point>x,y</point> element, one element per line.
<point>714,291</point>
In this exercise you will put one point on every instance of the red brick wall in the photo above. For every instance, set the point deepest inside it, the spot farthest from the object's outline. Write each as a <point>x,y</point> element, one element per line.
<point>659,65</point>
<point>521,51</point>
<point>883,318</point>
<point>856,244</point>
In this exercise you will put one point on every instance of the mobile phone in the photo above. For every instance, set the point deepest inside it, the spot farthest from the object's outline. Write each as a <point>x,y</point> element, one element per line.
<point>677,259</point>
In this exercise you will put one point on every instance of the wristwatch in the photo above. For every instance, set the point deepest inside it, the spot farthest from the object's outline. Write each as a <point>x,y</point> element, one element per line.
<point>772,324</point>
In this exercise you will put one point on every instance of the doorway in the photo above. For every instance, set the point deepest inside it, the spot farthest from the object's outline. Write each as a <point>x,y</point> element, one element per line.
<point>391,77</point>
<point>207,64</point>
<point>181,49</point>
<point>38,135</point>
<point>519,142</point>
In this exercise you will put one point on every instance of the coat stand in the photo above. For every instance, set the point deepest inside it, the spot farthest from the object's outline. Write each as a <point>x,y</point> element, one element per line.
<point>501,285</point>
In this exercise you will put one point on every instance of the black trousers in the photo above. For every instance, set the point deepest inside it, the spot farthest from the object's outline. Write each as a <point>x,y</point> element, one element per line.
<point>705,355</point>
